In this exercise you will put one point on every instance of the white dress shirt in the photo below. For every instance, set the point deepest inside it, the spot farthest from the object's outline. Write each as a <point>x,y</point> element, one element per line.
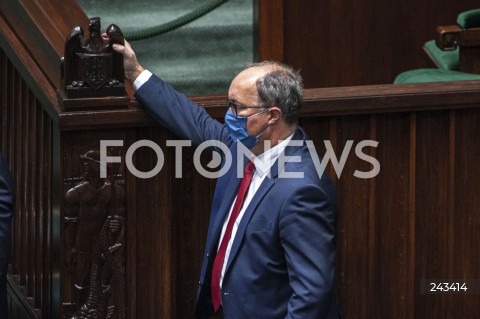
<point>141,79</point>
<point>263,165</point>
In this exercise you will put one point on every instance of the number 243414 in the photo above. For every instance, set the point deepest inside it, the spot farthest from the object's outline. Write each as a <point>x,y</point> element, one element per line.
<point>448,286</point>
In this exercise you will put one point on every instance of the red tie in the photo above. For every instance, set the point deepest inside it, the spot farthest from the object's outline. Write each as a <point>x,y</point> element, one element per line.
<point>218,263</point>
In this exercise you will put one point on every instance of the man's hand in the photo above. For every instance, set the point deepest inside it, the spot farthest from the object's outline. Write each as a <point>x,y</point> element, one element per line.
<point>130,62</point>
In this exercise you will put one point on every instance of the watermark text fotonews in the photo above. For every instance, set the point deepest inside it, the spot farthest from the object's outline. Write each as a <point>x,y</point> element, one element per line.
<point>222,158</point>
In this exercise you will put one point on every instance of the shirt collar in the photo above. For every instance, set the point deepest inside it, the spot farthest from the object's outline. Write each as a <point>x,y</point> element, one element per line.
<point>264,162</point>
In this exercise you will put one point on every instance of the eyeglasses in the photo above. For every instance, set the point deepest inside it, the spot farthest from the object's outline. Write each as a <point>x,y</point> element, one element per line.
<point>235,107</point>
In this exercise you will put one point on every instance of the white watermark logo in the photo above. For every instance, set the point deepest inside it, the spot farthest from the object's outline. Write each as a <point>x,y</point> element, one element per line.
<point>222,158</point>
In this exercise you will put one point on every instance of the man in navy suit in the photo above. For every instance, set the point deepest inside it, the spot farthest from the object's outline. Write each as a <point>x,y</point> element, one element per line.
<point>275,258</point>
<point>6,213</point>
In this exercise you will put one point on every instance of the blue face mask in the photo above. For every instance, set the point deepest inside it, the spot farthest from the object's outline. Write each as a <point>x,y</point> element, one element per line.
<point>237,126</point>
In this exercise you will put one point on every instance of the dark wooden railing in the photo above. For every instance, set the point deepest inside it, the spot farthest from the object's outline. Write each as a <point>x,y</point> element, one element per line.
<point>417,220</point>
<point>26,135</point>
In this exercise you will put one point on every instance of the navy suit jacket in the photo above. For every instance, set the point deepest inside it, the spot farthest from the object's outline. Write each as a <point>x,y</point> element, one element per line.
<point>281,264</point>
<point>6,213</point>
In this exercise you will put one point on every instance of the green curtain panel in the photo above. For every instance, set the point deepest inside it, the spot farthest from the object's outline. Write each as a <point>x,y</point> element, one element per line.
<point>200,57</point>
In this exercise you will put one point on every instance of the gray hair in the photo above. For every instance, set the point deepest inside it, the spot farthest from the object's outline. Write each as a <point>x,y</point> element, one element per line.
<point>282,87</point>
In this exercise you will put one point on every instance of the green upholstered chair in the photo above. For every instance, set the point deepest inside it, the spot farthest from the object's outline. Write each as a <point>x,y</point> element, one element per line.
<point>444,51</point>
<point>433,75</point>
<point>469,19</point>
<point>444,60</point>
<point>455,52</point>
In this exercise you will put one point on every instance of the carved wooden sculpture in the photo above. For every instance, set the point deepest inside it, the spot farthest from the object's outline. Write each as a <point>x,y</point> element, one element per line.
<point>95,233</point>
<point>91,68</point>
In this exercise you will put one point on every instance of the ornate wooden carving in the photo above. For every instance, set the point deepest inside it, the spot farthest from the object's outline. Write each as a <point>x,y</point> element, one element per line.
<point>95,234</point>
<point>91,68</point>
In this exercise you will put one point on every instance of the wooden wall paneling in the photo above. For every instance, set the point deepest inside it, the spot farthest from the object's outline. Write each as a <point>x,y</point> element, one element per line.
<point>24,162</point>
<point>3,100</point>
<point>395,45</point>
<point>362,43</point>
<point>153,218</point>
<point>47,211</point>
<point>38,202</point>
<point>410,287</point>
<point>36,188</point>
<point>54,224</point>
<point>465,221</point>
<point>22,121</point>
<point>269,22</point>
<point>18,171</point>
<point>27,243</point>
<point>319,130</point>
<point>131,233</point>
<point>392,223</point>
<point>191,198</point>
<point>9,149</point>
<point>31,177</point>
<point>318,36</point>
<point>372,215</point>
<point>432,214</point>
<point>7,117</point>
<point>354,265</point>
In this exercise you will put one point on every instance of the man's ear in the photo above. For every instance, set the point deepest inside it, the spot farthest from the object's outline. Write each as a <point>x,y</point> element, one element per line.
<point>275,115</point>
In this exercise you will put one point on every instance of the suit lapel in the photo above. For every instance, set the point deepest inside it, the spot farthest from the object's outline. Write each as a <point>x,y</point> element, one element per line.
<point>266,185</point>
<point>227,200</point>
<point>242,227</point>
